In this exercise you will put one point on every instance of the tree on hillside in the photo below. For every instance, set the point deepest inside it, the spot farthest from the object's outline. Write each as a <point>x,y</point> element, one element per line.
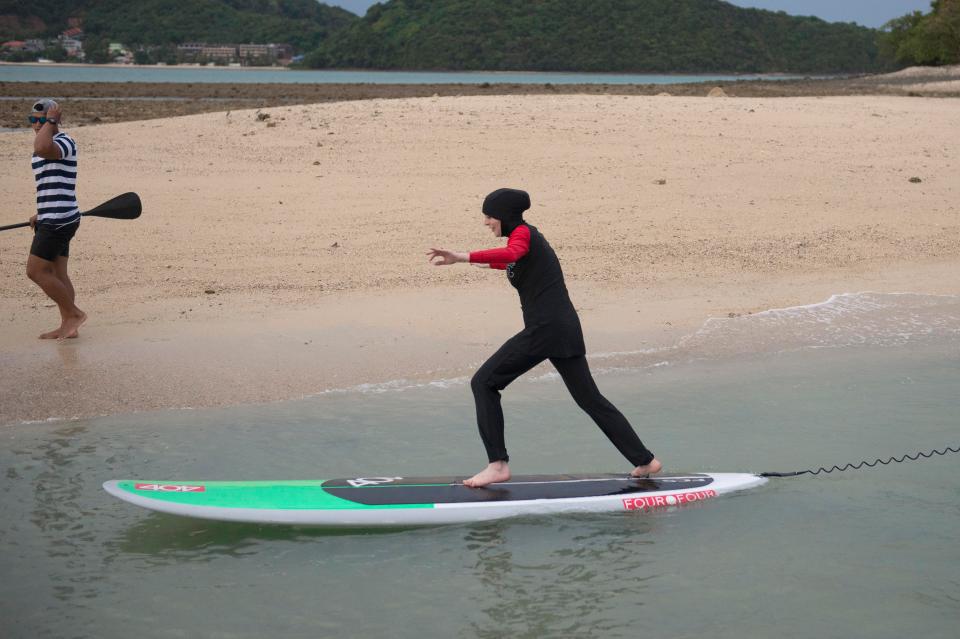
<point>918,39</point>
<point>301,23</point>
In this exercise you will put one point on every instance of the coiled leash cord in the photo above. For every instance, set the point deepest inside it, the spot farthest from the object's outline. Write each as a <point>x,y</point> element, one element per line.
<point>876,462</point>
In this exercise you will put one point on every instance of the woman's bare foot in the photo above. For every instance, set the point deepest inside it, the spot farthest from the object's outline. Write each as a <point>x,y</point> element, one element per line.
<point>54,334</point>
<point>493,474</point>
<point>652,468</point>
<point>71,325</point>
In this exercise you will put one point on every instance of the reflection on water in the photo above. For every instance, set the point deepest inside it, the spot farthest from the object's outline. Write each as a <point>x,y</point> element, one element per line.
<point>570,590</point>
<point>167,539</point>
<point>70,359</point>
<point>58,511</point>
<point>157,539</point>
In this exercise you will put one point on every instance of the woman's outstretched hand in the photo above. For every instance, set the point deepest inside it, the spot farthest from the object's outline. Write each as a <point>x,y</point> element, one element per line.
<point>446,257</point>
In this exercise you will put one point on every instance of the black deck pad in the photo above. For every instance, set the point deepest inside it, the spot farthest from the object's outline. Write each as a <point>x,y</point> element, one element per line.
<point>387,491</point>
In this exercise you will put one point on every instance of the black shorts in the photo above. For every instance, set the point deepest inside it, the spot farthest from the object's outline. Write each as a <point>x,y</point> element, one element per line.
<point>51,242</point>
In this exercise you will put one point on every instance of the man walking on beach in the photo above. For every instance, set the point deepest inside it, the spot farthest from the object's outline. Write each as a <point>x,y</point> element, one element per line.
<point>57,219</point>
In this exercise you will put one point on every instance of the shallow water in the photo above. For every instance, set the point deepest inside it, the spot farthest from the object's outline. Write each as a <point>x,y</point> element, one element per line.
<point>862,553</point>
<point>94,73</point>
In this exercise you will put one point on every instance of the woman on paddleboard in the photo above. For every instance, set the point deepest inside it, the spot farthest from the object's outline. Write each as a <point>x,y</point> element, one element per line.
<point>551,331</point>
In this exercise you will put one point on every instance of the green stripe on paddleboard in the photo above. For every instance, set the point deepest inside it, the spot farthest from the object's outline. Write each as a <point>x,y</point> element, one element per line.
<point>276,495</point>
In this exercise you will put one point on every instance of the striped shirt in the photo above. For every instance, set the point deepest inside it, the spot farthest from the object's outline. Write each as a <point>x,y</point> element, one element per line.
<point>57,184</point>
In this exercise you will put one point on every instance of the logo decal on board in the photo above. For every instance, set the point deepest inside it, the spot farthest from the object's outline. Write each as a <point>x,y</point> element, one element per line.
<point>666,501</point>
<point>371,481</point>
<point>171,488</point>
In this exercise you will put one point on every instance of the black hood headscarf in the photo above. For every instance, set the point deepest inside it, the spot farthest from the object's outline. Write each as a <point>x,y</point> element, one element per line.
<point>507,205</point>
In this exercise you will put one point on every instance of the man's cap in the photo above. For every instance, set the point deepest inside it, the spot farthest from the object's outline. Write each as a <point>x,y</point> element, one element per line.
<point>505,204</point>
<point>43,105</point>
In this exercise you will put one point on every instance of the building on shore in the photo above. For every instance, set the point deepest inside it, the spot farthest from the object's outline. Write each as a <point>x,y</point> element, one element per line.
<point>74,48</point>
<point>245,54</point>
<point>120,53</point>
<point>272,52</point>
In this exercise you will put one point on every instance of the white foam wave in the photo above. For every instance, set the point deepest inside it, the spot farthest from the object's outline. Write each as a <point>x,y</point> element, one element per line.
<point>395,386</point>
<point>844,320</point>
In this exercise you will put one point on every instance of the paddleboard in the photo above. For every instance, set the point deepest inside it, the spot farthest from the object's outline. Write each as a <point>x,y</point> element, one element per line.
<point>406,501</point>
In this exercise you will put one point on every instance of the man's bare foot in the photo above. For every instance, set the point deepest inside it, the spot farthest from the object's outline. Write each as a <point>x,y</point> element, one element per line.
<point>493,474</point>
<point>54,334</point>
<point>71,326</point>
<point>652,468</point>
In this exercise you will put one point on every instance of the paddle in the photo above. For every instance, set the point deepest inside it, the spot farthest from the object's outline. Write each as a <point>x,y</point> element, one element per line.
<point>122,207</point>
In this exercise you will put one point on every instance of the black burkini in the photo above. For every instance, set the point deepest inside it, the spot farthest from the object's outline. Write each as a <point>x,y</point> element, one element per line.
<point>551,331</point>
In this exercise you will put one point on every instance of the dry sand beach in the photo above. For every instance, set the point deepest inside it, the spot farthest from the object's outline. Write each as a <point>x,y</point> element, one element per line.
<point>281,252</point>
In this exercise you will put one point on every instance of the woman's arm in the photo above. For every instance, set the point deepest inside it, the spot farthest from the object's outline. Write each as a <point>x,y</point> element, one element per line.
<point>518,245</point>
<point>447,257</point>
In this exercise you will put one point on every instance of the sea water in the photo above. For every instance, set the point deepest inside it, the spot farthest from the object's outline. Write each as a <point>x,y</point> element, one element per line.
<point>860,553</point>
<point>216,75</point>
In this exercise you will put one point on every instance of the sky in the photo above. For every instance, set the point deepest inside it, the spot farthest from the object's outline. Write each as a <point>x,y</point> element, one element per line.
<point>869,13</point>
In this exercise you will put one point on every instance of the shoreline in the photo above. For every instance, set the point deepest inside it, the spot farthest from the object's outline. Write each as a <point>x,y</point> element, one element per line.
<point>115,65</point>
<point>281,256</point>
<point>279,364</point>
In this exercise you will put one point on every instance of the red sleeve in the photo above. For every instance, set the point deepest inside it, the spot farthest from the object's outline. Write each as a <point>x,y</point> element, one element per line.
<point>518,245</point>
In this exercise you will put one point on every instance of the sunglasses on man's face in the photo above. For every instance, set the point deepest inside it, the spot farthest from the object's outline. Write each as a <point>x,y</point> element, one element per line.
<point>34,119</point>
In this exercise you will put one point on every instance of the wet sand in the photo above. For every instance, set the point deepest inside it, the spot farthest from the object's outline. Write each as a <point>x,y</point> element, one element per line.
<point>281,252</point>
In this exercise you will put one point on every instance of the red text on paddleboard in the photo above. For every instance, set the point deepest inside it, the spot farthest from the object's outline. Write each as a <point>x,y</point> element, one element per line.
<point>171,488</point>
<point>665,501</point>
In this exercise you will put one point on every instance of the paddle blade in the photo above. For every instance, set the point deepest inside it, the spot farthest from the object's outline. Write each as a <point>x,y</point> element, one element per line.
<point>122,207</point>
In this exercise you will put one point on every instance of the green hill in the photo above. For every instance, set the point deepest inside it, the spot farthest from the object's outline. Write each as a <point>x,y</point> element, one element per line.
<point>595,35</point>
<point>302,23</point>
